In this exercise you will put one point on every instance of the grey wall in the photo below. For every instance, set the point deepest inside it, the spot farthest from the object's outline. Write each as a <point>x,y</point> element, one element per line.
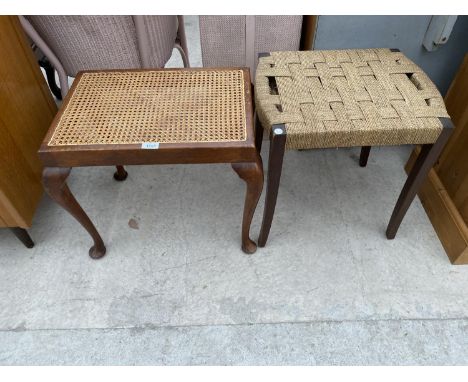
<point>403,32</point>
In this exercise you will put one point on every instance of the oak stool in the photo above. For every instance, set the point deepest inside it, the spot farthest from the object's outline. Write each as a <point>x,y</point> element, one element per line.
<point>146,117</point>
<point>343,98</point>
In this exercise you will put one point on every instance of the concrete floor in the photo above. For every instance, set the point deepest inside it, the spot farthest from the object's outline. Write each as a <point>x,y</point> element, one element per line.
<point>175,288</point>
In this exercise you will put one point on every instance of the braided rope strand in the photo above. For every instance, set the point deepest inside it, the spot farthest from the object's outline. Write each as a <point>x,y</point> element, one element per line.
<point>340,98</point>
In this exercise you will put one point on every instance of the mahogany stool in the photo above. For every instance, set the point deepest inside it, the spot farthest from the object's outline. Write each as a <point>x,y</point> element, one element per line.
<point>147,117</point>
<point>343,98</point>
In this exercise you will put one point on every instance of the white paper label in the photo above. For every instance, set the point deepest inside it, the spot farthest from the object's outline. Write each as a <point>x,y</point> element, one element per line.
<point>150,145</point>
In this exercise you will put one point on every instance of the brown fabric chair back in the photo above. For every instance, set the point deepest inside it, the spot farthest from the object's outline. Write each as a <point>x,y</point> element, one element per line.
<point>106,42</point>
<point>237,40</point>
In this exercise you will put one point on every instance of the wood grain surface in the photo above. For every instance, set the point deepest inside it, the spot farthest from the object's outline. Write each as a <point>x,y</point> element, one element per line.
<point>26,111</point>
<point>444,195</point>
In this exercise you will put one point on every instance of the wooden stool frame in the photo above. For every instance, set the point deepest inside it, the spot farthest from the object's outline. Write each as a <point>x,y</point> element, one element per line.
<point>242,155</point>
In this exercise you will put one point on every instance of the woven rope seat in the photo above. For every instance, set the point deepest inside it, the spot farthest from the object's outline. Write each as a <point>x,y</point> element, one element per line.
<point>340,98</point>
<point>165,106</point>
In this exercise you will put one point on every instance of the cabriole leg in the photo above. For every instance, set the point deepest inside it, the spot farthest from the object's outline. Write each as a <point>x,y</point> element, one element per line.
<point>252,174</point>
<point>54,180</point>
<point>120,175</point>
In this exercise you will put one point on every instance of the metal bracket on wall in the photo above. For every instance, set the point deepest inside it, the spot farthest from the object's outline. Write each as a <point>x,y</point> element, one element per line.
<point>438,31</point>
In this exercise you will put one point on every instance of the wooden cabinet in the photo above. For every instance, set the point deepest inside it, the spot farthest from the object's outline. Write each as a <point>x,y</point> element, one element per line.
<point>26,111</point>
<point>445,194</point>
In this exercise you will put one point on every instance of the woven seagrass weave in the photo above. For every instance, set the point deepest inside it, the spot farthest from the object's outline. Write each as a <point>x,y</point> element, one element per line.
<point>340,98</point>
<point>132,107</point>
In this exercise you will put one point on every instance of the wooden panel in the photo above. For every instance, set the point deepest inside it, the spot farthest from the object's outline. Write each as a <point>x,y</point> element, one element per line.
<point>447,221</point>
<point>26,111</point>
<point>453,165</point>
<point>19,185</point>
<point>445,193</point>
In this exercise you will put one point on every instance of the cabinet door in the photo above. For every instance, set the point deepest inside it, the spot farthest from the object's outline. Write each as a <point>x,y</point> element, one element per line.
<point>26,112</point>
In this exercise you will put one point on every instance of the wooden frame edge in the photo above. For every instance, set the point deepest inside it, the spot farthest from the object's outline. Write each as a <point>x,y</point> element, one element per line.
<point>447,221</point>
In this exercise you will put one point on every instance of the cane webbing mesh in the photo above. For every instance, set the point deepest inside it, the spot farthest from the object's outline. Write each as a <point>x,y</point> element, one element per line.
<point>128,107</point>
<point>337,98</point>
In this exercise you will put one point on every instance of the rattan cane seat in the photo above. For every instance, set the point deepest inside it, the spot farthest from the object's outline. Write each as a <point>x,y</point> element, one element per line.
<point>164,106</point>
<point>340,98</point>
<point>153,117</point>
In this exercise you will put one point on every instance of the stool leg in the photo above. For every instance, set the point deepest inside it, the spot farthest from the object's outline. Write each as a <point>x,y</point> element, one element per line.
<point>426,159</point>
<point>365,150</point>
<point>252,174</point>
<point>23,236</point>
<point>54,179</point>
<point>120,175</point>
<point>275,165</point>
<point>258,134</point>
